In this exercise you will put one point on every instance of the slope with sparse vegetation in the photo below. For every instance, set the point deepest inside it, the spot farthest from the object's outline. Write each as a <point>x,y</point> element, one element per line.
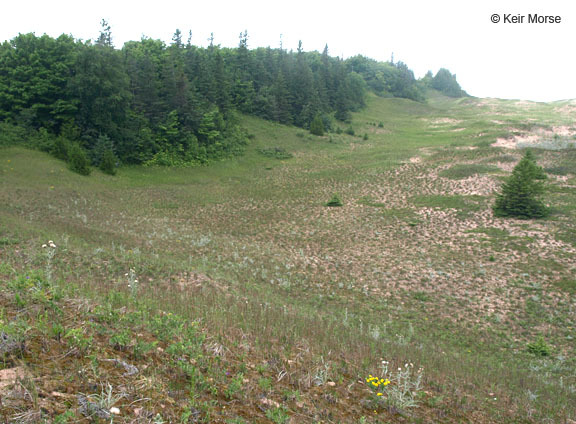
<point>232,293</point>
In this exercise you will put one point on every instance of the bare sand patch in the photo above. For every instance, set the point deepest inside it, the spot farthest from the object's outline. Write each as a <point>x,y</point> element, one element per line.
<point>566,109</point>
<point>506,166</point>
<point>10,376</point>
<point>542,137</point>
<point>476,185</point>
<point>442,121</point>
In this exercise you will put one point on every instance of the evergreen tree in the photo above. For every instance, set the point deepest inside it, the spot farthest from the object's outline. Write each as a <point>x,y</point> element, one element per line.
<point>317,126</point>
<point>103,145</point>
<point>178,99</point>
<point>101,87</point>
<point>105,37</point>
<point>282,99</point>
<point>520,196</point>
<point>177,39</point>
<point>108,162</point>
<point>445,82</point>
<point>536,170</point>
<point>78,160</point>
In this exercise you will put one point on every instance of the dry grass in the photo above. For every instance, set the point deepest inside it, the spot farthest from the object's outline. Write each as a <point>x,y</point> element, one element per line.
<point>413,267</point>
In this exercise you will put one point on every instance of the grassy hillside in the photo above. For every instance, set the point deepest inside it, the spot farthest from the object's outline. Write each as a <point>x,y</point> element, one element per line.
<point>257,303</point>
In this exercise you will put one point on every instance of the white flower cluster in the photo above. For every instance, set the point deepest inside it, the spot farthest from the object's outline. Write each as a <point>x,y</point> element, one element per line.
<point>50,252</point>
<point>132,281</point>
<point>50,244</point>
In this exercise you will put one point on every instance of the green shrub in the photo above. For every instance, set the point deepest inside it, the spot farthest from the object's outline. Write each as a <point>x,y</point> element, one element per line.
<point>11,134</point>
<point>108,163</point>
<point>539,347</point>
<point>335,201</point>
<point>66,417</point>
<point>76,338</point>
<point>60,149</point>
<point>278,415</point>
<point>101,146</point>
<point>121,340</point>
<point>78,160</point>
<point>276,153</point>
<point>234,387</point>
<point>317,126</point>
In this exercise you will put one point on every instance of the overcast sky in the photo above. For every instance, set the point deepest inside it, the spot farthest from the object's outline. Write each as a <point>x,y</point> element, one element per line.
<point>532,61</point>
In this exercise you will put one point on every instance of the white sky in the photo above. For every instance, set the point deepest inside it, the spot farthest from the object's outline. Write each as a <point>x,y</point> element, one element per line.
<point>523,61</point>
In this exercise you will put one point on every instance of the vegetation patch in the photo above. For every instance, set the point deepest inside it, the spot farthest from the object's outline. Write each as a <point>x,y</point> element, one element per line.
<point>276,153</point>
<point>490,231</point>
<point>567,235</point>
<point>368,201</point>
<point>566,284</point>
<point>540,347</point>
<point>565,166</point>
<point>335,201</point>
<point>458,172</point>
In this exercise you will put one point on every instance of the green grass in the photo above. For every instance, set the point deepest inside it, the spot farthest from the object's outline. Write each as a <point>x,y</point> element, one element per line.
<point>489,231</point>
<point>566,284</point>
<point>406,270</point>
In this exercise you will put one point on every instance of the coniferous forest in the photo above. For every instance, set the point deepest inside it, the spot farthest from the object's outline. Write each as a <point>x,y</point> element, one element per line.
<point>176,104</point>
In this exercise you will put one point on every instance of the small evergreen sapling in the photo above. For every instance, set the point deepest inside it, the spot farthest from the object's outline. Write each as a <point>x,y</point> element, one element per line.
<point>335,201</point>
<point>520,196</point>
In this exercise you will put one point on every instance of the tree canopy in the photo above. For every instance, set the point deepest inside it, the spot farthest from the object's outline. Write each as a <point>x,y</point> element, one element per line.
<point>446,83</point>
<point>178,103</point>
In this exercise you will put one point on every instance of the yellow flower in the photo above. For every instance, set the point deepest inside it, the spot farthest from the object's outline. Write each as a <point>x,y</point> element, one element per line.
<point>378,394</point>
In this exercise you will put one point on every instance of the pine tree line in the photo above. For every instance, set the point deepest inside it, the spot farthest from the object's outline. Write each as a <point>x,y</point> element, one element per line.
<point>175,104</point>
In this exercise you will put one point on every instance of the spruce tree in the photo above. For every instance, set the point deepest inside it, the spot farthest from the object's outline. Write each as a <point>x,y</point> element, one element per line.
<point>536,171</point>
<point>520,196</point>
<point>317,126</point>
<point>108,162</point>
<point>78,160</point>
